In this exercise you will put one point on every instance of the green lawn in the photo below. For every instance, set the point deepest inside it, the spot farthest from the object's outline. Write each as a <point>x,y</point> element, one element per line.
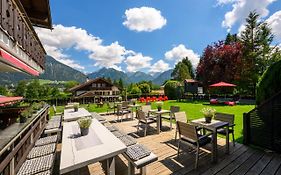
<point>193,110</point>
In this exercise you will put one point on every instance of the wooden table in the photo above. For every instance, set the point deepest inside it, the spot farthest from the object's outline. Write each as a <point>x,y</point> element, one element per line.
<point>159,119</point>
<point>71,115</point>
<point>99,145</point>
<point>136,106</point>
<point>213,127</point>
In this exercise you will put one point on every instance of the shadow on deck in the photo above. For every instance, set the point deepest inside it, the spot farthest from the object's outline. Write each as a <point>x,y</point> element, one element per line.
<point>241,160</point>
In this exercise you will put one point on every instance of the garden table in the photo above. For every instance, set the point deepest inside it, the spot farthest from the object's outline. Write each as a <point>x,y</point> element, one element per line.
<point>213,127</point>
<point>71,115</point>
<point>159,119</point>
<point>79,151</point>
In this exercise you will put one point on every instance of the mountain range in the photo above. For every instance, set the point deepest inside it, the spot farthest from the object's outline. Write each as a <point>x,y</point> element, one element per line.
<point>57,71</point>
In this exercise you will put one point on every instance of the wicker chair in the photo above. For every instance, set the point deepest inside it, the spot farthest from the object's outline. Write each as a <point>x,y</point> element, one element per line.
<point>144,120</point>
<point>188,134</point>
<point>226,118</point>
<point>146,109</point>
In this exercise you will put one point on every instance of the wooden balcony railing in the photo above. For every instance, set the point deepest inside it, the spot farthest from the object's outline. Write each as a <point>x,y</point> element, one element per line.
<point>17,26</point>
<point>18,139</point>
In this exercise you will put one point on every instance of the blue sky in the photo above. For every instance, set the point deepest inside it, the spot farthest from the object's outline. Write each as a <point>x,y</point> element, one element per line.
<point>145,35</point>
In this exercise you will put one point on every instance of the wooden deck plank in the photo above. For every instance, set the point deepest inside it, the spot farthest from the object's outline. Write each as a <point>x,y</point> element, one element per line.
<point>260,165</point>
<point>216,168</point>
<point>240,160</point>
<point>243,169</point>
<point>273,166</point>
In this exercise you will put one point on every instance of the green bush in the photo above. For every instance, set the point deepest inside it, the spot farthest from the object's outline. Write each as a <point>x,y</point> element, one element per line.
<point>269,83</point>
<point>171,89</point>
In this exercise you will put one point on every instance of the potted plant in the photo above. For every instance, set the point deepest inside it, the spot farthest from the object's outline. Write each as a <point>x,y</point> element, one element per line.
<point>24,115</point>
<point>120,98</point>
<point>84,124</point>
<point>35,107</point>
<point>208,114</point>
<point>76,106</point>
<point>159,105</point>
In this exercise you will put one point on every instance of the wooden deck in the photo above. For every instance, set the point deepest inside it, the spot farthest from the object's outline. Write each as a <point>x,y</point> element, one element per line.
<point>241,160</point>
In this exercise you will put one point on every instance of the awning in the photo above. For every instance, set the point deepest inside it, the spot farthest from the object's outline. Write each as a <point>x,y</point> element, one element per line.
<point>223,84</point>
<point>18,63</point>
<point>9,100</point>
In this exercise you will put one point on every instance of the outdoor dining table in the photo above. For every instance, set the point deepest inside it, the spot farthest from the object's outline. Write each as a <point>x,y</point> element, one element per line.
<point>71,115</point>
<point>159,117</point>
<point>213,127</point>
<point>135,106</point>
<point>79,151</point>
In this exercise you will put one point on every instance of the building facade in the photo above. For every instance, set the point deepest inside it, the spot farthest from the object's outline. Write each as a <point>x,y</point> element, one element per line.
<point>97,88</point>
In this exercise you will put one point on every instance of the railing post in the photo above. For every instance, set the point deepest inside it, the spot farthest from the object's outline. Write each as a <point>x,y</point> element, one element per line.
<point>246,128</point>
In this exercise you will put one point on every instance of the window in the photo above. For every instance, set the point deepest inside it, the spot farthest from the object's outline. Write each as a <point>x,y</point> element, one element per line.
<point>94,85</point>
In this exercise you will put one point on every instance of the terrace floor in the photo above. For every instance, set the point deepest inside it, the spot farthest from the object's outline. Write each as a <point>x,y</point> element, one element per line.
<point>241,160</point>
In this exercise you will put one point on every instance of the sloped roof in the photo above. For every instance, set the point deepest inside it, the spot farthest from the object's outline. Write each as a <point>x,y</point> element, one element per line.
<point>88,83</point>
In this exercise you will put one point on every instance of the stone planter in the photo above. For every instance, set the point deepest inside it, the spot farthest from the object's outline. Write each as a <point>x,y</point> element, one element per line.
<point>84,131</point>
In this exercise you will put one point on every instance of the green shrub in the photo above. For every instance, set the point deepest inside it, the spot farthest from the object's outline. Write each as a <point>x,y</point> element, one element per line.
<point>269,83</point>
<point>171,89</point>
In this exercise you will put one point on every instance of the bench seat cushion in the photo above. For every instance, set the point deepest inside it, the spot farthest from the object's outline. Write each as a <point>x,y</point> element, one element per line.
<point>44,173</point>
<point>137,151</point>
<point>37,165</point>
<point>40,151</point>
<point>128,140</point>
<point>46,140</point>
<point>112,128</point>
<point>118,133</point>
<point>53,124</point>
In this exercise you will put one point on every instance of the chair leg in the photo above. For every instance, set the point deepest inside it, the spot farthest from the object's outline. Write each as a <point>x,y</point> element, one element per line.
<point>145,129</point>
<point>176,133</point>
<point>179,147</point>
<point>233,140</point>
<point>197,157</point>
<point>138,127</point>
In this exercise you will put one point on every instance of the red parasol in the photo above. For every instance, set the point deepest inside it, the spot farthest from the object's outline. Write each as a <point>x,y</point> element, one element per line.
<point>222,84</point>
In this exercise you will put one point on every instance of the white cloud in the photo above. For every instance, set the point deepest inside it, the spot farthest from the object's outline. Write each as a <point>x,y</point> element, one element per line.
<point>242,8</point>
<point>61,57</point>
<point>179,52</point>
<point>61,38</point>
<point>137,61</point>
<point>144,19</point>
<point>275,23</point>
<point>159,66</point>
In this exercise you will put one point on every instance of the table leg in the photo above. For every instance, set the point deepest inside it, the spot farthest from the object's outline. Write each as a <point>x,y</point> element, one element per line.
<point>131,169</point>
<point>227,140</point>
<point>110,166</point>
<point>143,170</point>
<point>158,123</point>
<point>214,147</point>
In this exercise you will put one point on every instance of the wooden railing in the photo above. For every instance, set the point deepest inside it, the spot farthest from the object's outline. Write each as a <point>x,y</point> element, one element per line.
<point>13,152</point>
<point>262,125</point>
<point>15,23</point>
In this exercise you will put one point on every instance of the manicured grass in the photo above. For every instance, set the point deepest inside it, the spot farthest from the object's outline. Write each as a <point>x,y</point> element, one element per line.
<point>193,111</point>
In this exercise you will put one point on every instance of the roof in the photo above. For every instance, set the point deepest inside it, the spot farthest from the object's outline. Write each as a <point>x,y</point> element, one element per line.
<point>88,83</point>
<point>38,12</point>
<point>191,81</point>
<point>9,100</point>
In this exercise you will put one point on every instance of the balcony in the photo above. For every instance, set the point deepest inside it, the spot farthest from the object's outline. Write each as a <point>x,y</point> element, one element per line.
<point>21,49</point>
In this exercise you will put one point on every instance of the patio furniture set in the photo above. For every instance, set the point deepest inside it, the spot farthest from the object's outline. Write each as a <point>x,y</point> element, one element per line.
<point>195,133</point>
